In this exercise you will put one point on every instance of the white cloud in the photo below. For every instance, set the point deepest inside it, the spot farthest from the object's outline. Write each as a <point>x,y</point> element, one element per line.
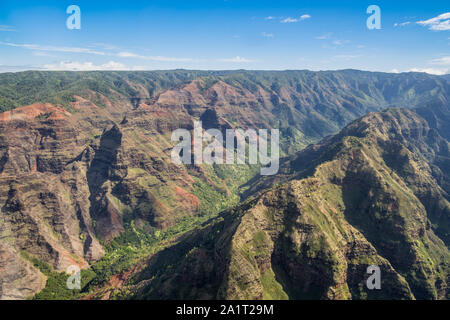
<point>434,71</point>
<point>237,59</point>
<point>395,71</point>
<point>38,47</point>
<point>126,54</point>
<point>269,18</point>
<point>443,60</point>
<point>439,23</point>
<point>403,24</point>
<point>340,42</point>
<point>289,20</point>
<point>105,46</point>
<point>88,66</point>
<point>267,35</point>
<point>7,28</point>
<point>293,20</point>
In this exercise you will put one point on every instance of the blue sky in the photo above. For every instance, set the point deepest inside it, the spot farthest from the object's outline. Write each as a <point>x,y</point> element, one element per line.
<point>225,34</point>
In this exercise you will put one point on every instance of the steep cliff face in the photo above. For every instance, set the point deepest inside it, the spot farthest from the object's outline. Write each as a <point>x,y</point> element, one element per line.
<point>94,160</point>
<point>19,278</point>
<point>44,202</point>
<point>359,201</point>
<point>65,184</point>
<point>69,180</point>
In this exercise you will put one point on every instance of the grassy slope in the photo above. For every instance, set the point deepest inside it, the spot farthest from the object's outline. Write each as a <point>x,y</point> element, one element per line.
<point>371,91</point>
<point>318,234</point>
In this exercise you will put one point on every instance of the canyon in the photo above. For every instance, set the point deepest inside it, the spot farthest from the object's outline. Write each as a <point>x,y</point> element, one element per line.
<point>86,179</point>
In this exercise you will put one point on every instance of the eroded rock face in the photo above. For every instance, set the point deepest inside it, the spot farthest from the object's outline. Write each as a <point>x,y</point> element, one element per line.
<point>70,179</point>
<point>60,191</point>
<point>19,279</point>
<point>344,205</point>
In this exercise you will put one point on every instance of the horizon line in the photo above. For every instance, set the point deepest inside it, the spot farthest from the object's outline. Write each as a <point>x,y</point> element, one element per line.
<point>226,70</point>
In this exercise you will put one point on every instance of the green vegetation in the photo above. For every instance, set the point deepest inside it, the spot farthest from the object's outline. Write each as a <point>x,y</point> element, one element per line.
<point>56,287</point>
<point>134,244</point>
<point>226,188</point>
<point>59,88</point>
<point>326,226</point>
<point>42,266</point>
<point>125,251</point>
<point>384,177</point>
<point>272,289</point>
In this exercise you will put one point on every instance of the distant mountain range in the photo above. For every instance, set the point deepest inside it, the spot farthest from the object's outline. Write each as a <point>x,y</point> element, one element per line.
<point>86,179</point>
